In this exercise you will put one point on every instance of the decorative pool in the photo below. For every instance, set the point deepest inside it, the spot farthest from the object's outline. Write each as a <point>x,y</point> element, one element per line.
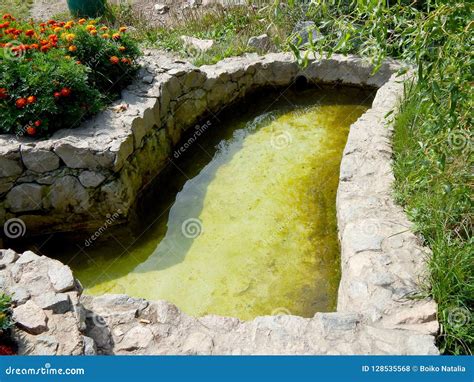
<point>242,222</point>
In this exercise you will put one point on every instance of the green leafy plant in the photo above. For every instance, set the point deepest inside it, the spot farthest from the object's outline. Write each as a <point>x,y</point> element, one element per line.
<point>54,74</point>
<point>5,313</point>
<point>229,27</point>
<point>433,139</point>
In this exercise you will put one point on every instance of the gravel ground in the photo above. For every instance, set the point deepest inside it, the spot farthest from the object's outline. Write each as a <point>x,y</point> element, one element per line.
<point>45,9</point>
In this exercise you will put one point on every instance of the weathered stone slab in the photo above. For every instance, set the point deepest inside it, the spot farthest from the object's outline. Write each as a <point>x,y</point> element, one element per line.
<point>30,317</point>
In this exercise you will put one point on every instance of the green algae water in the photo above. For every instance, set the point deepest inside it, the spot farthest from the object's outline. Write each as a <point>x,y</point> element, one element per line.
<point>243,222</point>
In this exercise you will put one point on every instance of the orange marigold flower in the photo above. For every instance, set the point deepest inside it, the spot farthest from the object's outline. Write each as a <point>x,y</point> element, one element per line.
<point>105,35</point>
<point>58,29</point>
<point>104,28</point>
<point>20,103</point>
<point>82,21</point>
<point>70,37</point>
<point>51,22</point>
<point>90,27</point>
<point>29,32</point>
<point>30,130</point>
<point>31,99</point>
<point>116,36</point>
<point>66,92</point>
<point>124,60</point>
<point>122,48</point>
<point>72,48</point>
<point>114,60</point>
<point>93,32</point>
<point>3,93</point>
<point>122,29</point>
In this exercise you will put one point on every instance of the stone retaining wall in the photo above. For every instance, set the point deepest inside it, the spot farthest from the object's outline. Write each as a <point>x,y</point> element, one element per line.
<point>85,174</point>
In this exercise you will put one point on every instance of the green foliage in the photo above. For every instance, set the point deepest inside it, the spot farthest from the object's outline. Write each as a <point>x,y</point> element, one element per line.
<point>230,28</point>
<point>5,312</point>
<point>54,74</point>
<point>95,53</point>
<point>42,77</point>
<point>433,137</point>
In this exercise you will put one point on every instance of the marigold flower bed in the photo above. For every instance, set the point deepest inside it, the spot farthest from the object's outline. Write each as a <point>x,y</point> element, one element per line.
<point>54,74</point>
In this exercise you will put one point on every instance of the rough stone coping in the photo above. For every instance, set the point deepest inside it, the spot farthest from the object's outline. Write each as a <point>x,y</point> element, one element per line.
<point>383,264</point>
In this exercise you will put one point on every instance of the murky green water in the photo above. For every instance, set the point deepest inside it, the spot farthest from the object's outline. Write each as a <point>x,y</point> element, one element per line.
<point>243,223</point>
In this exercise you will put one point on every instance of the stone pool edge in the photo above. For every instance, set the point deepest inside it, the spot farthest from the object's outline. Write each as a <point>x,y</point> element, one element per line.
<point>382,261</point>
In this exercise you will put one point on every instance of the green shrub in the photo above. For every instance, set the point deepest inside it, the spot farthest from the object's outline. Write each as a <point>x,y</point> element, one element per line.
<point>48,78</point>
<point>55,74</point>
<point>5,313</point>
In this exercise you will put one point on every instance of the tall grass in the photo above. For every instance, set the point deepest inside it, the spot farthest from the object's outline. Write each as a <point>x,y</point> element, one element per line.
<point>433,139</point>
<point>230,28</point>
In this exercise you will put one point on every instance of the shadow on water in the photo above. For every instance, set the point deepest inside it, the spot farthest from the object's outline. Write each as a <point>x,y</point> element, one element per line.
<point>183,222</point>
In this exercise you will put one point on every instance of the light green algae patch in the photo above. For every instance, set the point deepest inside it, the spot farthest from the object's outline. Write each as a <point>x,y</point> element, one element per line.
<point>253,231</point>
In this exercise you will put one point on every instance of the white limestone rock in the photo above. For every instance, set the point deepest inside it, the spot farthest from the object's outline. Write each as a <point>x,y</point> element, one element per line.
<point>30,317</point>
<point>61,277</point>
